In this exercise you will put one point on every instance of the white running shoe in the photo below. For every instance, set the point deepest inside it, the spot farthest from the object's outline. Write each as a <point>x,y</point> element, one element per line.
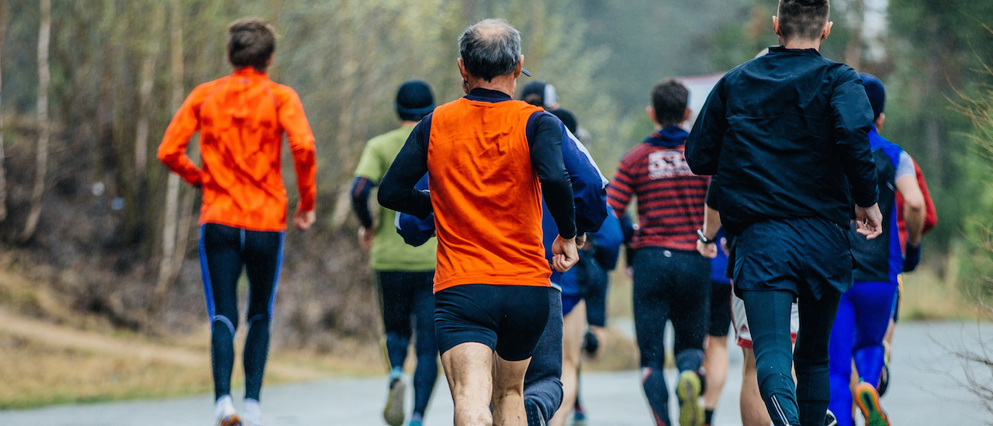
<point>251,415</point>
<point>225,413</point>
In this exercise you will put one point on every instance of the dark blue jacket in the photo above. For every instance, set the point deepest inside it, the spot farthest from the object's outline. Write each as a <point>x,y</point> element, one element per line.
<point>787,134</point>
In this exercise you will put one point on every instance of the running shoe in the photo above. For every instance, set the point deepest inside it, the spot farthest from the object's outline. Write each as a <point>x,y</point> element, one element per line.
<point>884,379</point>
<point>830,419</point>
<point>535,418</point>
<point>868,401</point>
<point>579,416</point>
<point>225,413</point>
<point>688,389</point>
<point>393,413</point>
<point>229,420</point>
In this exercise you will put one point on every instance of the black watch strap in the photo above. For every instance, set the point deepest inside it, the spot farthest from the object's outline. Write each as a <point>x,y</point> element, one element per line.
<point>703,238</point>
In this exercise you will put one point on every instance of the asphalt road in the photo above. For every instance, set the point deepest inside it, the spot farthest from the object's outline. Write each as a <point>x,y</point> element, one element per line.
<point>929,386</point>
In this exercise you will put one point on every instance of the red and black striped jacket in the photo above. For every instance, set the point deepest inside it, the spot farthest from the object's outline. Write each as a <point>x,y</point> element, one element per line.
<point>670,197</point>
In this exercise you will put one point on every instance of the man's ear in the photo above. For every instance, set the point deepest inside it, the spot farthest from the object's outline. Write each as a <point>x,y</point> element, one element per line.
<point>827,30</point>
<point>520,67</point>
<point>775,24</point>
<point>462,71</point>
<point>880,121</point>
<point>651,114</point>
<point>687,114</point>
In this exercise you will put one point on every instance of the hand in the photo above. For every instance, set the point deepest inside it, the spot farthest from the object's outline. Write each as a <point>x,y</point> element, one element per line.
<point>303,220</point>
<point>564,253</point>
<point>580,240</point>
<point>868,221</point>
<point>911,258</point>
<point>365,238</point>
<point>706,250</point>
<point>591,342</point>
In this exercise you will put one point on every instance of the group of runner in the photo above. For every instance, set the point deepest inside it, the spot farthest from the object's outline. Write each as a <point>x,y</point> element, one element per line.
<point>748,214</point>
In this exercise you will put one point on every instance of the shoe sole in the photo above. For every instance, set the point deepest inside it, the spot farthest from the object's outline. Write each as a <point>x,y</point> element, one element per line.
<point>688,389</point>
<point>231,420</point>
<point>868,401</point>
<point>393,413</point>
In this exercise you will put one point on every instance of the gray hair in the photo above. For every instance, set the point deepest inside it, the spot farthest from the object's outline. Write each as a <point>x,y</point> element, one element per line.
<point>490,48</point>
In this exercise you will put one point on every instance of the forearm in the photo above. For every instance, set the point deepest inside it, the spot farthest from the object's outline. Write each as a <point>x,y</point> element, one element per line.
<point>361,187</point>
<point>711,222</point>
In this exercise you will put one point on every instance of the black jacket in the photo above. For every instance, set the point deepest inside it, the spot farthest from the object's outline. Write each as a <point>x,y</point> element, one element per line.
<point>787,135</point>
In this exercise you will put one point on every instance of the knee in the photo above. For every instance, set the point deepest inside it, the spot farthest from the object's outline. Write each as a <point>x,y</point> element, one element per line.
<point>258,320</point>
<point>223,323</point>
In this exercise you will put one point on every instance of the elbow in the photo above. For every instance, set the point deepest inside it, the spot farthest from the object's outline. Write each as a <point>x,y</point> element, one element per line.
<point>387,198</point>
<point>913,206</point>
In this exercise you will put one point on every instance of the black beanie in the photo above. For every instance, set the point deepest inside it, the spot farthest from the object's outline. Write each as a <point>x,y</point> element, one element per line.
<point>876,93</point>
<point>414,100</point>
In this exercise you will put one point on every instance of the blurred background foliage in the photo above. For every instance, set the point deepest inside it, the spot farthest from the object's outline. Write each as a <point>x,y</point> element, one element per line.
<point>115,64</point>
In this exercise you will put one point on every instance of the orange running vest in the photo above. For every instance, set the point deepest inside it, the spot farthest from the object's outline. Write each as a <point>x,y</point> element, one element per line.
<point>486,196</point>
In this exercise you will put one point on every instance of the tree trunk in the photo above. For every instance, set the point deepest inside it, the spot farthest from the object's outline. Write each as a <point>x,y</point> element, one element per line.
<point>41,163</point>
<point>167,265</point>
<point>3,171</point>
<point>145,92</point>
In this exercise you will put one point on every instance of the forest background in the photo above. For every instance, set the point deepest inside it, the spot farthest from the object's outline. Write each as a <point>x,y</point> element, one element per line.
<point>95,234</point>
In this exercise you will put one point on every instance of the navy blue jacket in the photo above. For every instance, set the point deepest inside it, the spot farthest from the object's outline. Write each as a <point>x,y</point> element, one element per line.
<point>787,134</point>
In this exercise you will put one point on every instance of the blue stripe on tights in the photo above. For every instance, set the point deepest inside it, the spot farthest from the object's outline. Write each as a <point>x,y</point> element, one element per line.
<point>208,293</point>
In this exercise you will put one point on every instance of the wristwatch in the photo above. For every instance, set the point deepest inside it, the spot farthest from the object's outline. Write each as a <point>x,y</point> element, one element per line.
<point>703,238</point>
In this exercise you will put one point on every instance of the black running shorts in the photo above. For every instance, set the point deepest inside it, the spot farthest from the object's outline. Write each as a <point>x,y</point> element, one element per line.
<point>507,318</point>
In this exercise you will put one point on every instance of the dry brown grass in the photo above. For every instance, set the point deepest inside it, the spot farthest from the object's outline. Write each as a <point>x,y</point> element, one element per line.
<point>52,355</point>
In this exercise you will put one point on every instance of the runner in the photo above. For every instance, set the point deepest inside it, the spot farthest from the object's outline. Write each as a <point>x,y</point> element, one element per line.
<point>911,259</point>
<point>865,310</point>
<point>670,276</point>
<point>488,154</point>
<point>573,303</point>
<point>715,359</point>
<point>542,383</point>
<point>242,119</point>
<point>787,182</point>
<point>404,275</point>
<point>753,412</point>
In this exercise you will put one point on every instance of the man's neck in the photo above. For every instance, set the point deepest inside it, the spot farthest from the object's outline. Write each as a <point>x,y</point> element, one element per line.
<point>502,83</point>
<point>408,123</point>
<point>801,44</point>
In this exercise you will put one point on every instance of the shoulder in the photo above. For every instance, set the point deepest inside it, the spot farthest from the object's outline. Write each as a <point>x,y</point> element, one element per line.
<point>638,153</point>
<point>205,89</point>
<point>389,138</point>
<point>283,93</point>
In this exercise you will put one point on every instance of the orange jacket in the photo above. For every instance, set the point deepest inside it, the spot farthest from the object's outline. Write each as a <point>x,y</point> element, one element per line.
<point>485,195</point>
<point>241,119</point>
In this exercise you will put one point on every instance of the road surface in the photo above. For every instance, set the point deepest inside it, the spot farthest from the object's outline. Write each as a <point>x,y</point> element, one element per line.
<point>928,387</point>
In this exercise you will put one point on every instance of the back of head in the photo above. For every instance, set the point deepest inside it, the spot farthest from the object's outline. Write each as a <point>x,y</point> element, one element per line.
<point>567,118</point>
<point>251,42</point>
<point>876,92</point>
<point>539,93</point>
<point>414,100</point>
<point>802,19</point>
<point>669,100</point>
<point>490,48</point>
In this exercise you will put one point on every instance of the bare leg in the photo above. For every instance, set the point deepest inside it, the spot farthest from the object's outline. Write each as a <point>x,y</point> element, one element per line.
<point>508,392</point>
<point>753,411</point>
<point>715,363</point>
<point>468,368</point>
<point>572,341</point>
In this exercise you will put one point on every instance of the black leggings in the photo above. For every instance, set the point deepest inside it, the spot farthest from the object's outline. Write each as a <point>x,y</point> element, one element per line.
<point>224,252</point>
<point>406,296</point>
<point>669,285</point>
